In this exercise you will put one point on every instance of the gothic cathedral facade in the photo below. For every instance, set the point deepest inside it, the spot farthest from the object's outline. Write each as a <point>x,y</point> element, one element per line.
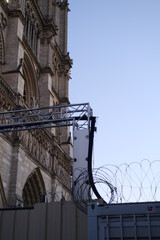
<point>35,166</point>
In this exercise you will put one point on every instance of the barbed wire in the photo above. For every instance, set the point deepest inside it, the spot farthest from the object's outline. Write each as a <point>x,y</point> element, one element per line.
<point>133,182</point>
<point>81,190</point>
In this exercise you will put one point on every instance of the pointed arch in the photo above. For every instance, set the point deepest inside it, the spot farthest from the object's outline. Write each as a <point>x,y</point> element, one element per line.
<point>1,47</point>
<point>34,188</point>
<point>31,92</point>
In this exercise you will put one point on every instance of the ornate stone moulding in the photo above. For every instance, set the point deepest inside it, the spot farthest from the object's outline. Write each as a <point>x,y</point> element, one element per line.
<point>7,94</point>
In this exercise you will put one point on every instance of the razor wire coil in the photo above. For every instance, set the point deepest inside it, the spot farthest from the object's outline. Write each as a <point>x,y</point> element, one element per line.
<point>133,182</point>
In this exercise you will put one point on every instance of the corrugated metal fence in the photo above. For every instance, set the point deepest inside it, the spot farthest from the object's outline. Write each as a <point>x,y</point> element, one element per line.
<point>47,221</point>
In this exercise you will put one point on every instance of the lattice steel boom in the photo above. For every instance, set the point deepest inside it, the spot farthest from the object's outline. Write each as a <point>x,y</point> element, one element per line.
<point>76,115</point>
<point>79,116</point>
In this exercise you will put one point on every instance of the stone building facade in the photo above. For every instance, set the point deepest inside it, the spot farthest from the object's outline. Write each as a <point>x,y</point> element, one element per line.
<point>34,72</point>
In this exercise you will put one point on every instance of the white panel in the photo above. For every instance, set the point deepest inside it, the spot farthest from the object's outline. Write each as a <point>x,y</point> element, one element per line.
<point>80,165</point>
<point>80,151</point>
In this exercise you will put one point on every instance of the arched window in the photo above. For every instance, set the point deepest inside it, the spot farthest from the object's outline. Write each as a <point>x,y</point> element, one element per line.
<point>30,94</point>
<point>34,189</point>
<point>1,47</point>
<point>3,24</point>
<point>31,30</point>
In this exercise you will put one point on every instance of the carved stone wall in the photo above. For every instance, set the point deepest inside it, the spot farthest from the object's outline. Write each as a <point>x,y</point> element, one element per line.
<point>34,72</point>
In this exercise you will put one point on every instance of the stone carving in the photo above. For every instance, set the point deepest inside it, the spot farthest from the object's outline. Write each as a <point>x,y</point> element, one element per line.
<point>3,21</point>
<point>38,146</point>
<point>40,34</point>
<point>43,151</point>
<point>49,155</point>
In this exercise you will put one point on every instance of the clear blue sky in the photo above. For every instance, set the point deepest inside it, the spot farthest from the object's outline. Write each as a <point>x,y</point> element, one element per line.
<point>115,47</point>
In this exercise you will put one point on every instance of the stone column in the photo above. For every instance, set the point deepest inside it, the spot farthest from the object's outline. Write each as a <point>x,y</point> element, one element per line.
<point>13,174</point>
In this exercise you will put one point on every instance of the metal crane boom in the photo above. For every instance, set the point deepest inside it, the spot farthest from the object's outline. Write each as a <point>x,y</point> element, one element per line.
<point>76,115</point>
<point>79,116</point>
